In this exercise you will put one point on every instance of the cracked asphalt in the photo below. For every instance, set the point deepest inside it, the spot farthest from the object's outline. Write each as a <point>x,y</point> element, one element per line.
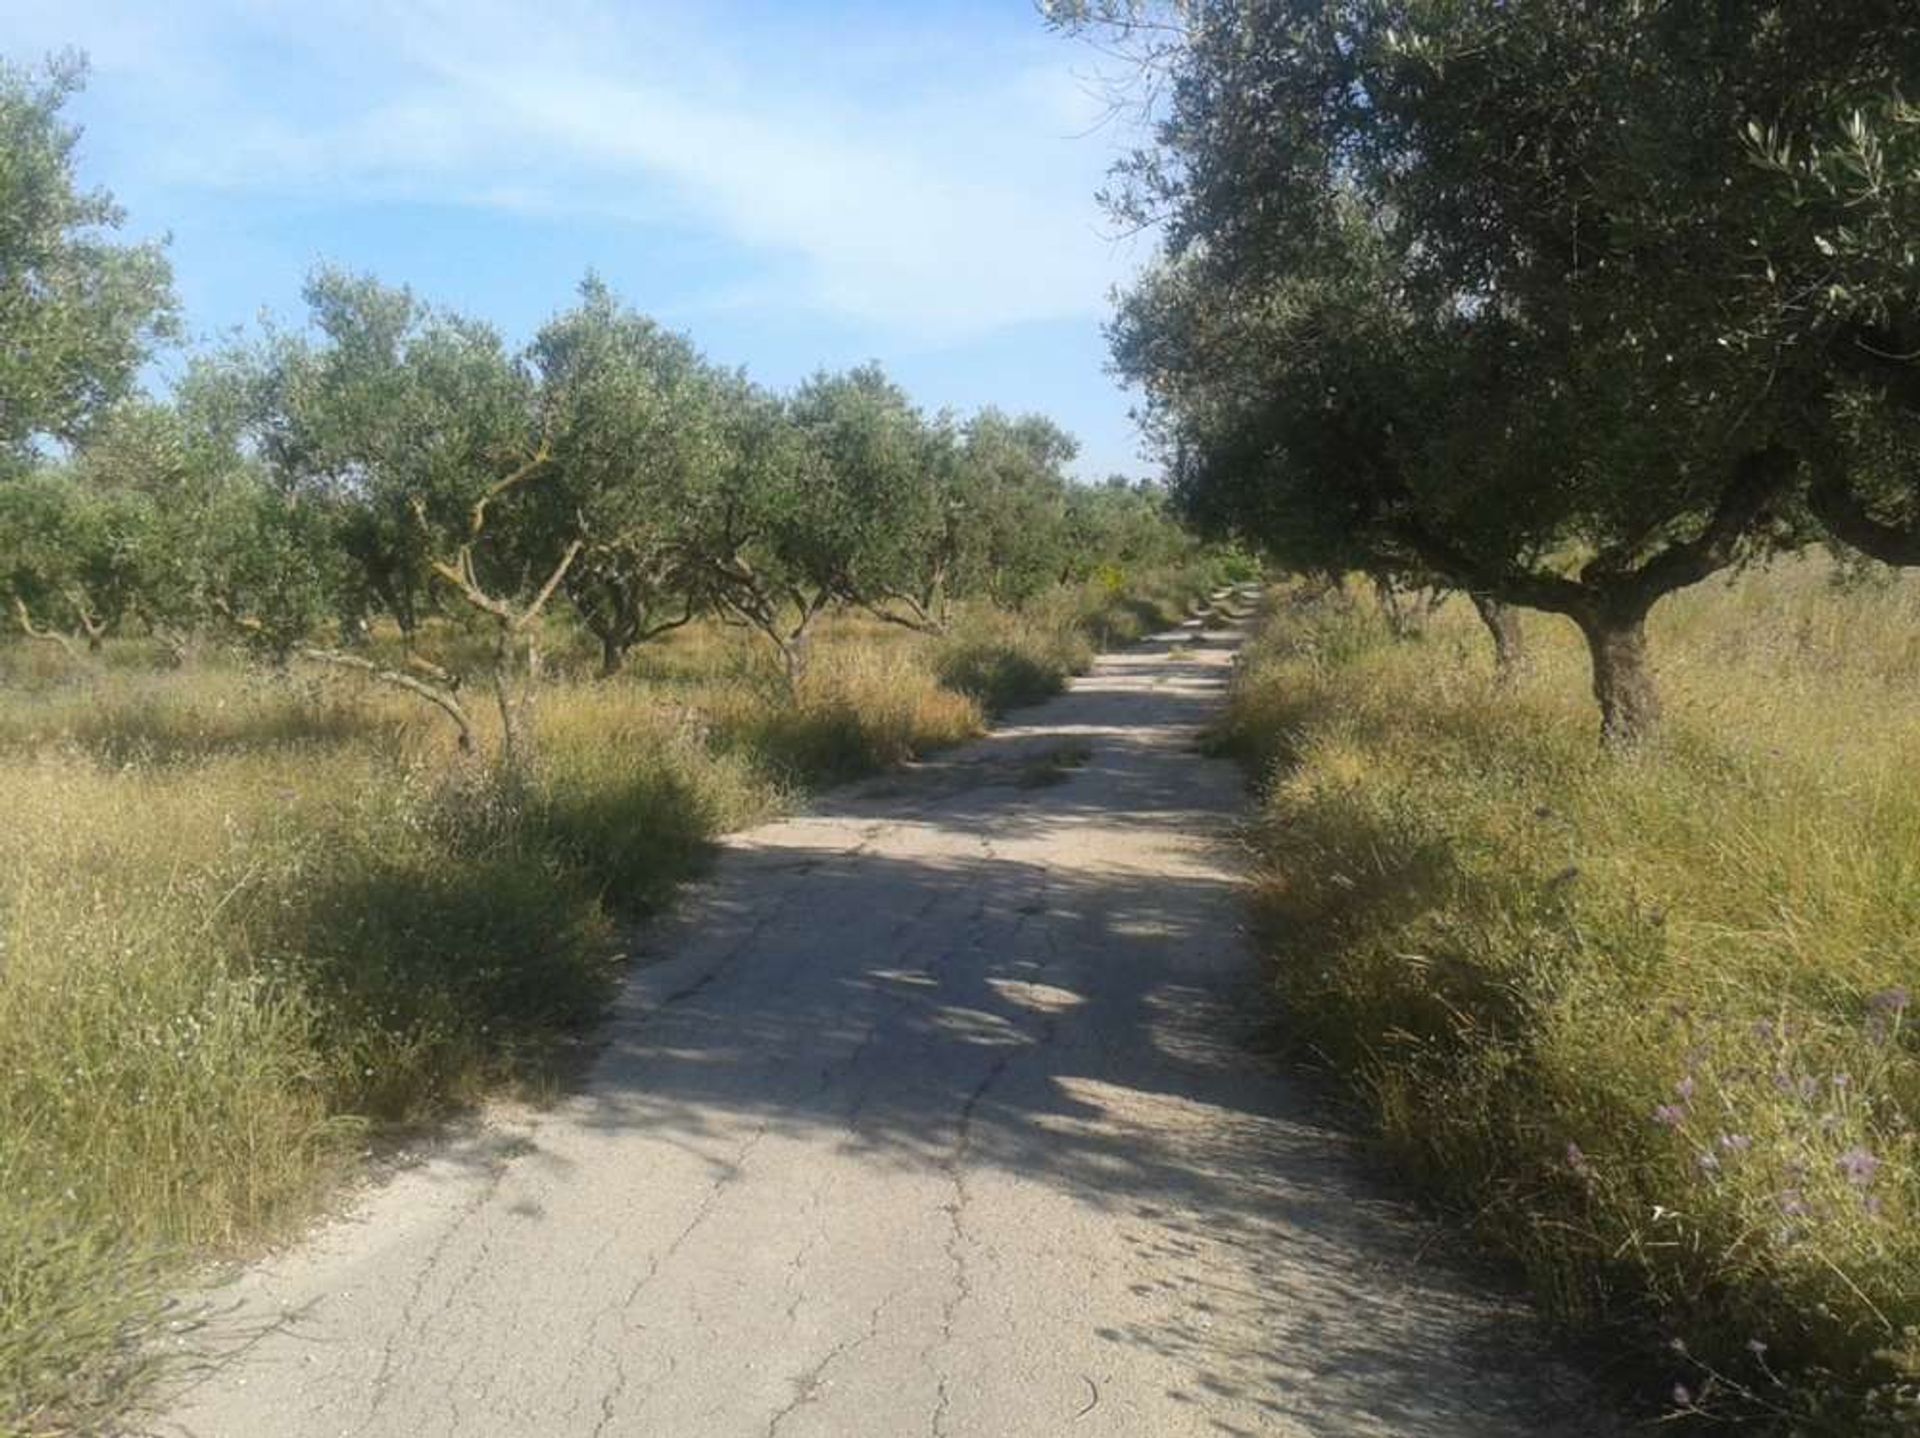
<point>937,1111</point>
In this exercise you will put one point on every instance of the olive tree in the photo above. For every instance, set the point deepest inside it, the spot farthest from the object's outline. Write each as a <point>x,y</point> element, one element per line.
<point>1565,207</point>
<point>66,557</point>
<point>751,528</point>
<point>1014,539</point>
<point>423,419</point>
<point>868,523</point>
<point>825,497</point>
<point>637,436</point>
<point>79,312</point>
<point>1840,268</point>
<point>331,408</point>
<point>1300,416</point>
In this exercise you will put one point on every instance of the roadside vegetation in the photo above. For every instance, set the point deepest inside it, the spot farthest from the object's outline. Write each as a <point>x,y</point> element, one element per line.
<point>1649,1023</point>
<point>1572,312</point>
<point>356,694</point>
<point>253,920</point>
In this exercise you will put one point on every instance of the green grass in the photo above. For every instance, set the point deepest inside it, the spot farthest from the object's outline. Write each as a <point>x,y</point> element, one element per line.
<point>1646,1018</point>
<point>249,921</point>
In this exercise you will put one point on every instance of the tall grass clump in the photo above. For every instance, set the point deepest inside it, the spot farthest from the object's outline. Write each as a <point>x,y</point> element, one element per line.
<point>867,702</point>
<point>1007,658</point>
<point>1004,659</point>
<point>220,971</point>
<point>1648,1018</point>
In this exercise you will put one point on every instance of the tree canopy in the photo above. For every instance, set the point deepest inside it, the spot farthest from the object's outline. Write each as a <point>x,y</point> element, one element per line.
<point>384,459</point>
<point>1563,304</point>
<point>78,311</point>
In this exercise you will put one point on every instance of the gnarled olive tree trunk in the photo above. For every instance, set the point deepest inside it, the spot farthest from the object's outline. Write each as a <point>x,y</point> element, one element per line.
<point>1509,643</point>
<point>1623,681</point>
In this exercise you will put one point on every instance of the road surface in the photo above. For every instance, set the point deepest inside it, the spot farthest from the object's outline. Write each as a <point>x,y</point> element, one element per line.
<point>933,1112</point>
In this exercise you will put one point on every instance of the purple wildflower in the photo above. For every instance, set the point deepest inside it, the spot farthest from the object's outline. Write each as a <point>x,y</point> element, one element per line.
<point>1859,1166</point>
<point>1736,1142</point>
<point>1891,1001</point>
<point>1669,1115</point>
<point>1707,1161</point>
<point>1682,1396</point>
<point>1685,1089</point>
<point>1577,1160</point>
<point>1842,1080</point>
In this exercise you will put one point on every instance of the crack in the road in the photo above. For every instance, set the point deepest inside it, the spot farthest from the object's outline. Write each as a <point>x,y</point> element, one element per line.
<point>616,1350</point>
<point>483,1253</point>
<point>816,1235</point>
<point>723,964</point>
<point>807,1385</point>
<point>957,1238</point>
<point>403,1325</point>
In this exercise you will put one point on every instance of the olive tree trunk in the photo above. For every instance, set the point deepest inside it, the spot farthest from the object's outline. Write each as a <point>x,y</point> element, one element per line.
<point>1509,643</point>
<point>1623,682</point>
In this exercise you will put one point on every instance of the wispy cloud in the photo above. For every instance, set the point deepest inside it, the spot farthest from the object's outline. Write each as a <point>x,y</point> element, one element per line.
<point>893,178</point>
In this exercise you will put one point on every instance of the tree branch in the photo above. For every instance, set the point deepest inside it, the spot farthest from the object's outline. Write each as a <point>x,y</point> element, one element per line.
<point>1760,476</point>
<point>441,698</point>
<point>45,635</point>
<point>477,516</point>
<point>919,619</point>
<point>532,611</point>
<point>644,633</point>
<point>1836,506</point>
<point>1552,593</point>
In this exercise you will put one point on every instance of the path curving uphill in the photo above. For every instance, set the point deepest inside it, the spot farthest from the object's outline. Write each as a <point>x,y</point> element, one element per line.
<point>931,1112</point>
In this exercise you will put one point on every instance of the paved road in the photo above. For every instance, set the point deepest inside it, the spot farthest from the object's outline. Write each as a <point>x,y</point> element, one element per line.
<point>933,1112</point>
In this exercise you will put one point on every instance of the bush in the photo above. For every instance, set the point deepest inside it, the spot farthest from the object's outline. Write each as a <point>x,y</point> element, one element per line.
<point>1647,1019</point>
<point>1004,659</point>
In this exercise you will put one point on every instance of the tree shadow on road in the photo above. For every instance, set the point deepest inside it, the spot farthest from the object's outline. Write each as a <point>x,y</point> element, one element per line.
<point>1041,997</point>
<point>991,978</point>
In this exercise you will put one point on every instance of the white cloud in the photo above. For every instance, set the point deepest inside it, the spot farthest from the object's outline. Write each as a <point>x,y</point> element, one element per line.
<point>933,185</point>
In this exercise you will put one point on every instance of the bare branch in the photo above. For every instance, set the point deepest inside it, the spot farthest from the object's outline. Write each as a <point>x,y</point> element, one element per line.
<point>45,634</point>
<point>918,618</point>
<point>477,516</point>
<point>532,612</point>
<point>442,698</point>
<point>687,615</point>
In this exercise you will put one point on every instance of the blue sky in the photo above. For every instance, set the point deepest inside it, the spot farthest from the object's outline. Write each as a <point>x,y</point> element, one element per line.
<point>794,185</point>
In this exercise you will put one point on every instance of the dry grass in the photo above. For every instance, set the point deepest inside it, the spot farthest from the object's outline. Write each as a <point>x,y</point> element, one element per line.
<point>248,919</point>
<point>1648,1018</point>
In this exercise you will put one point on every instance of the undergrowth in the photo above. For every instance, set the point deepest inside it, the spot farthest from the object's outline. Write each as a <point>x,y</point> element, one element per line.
<point>249,921</point>
<point>1647,1018</point>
